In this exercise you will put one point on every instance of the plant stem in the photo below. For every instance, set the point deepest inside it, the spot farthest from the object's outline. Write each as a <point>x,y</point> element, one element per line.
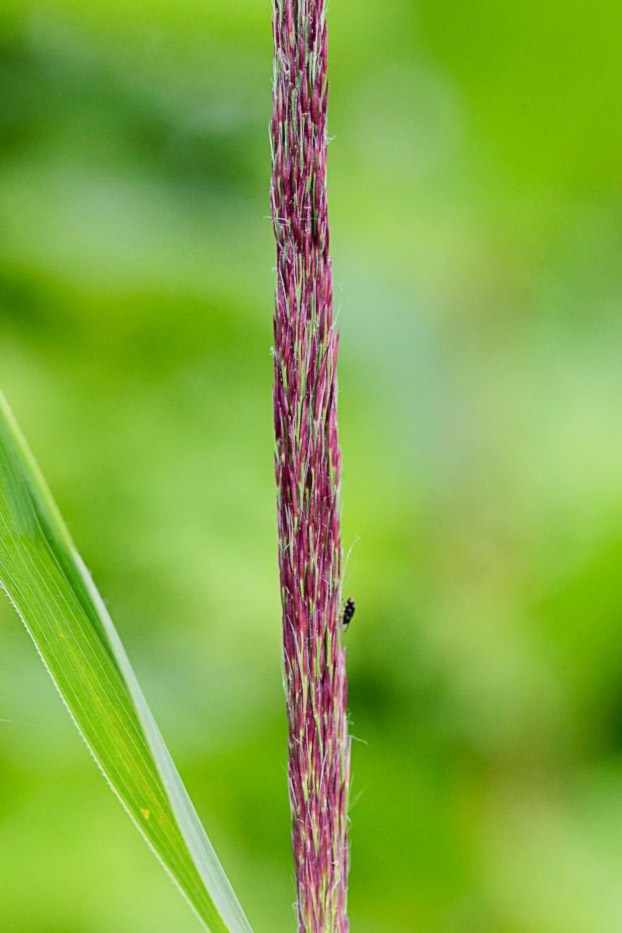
<point>308,469</point>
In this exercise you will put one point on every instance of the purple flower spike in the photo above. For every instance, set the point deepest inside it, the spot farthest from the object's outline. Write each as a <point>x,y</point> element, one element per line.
<point>308,470</point>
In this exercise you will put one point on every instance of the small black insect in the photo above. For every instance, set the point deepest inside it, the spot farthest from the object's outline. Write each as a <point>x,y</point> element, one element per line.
<point>348,611</point>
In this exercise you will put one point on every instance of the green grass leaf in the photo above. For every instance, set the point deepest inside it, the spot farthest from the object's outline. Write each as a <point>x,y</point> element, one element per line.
<point>49,586</point>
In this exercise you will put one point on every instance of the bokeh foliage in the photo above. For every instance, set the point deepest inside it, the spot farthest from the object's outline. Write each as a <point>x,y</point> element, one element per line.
<point>476,205</point>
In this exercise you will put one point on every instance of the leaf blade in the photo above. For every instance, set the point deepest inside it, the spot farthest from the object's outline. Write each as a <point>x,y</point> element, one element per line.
<point>54,595</point>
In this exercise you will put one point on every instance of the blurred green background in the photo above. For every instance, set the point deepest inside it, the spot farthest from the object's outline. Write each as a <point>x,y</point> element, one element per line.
<point>476,211</point>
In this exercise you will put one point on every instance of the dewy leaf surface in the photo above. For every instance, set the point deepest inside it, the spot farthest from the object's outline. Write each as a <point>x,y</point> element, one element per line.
<point>49,586</point>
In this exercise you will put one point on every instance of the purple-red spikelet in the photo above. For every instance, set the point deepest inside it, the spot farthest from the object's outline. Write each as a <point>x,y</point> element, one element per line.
<point>308,469</point>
